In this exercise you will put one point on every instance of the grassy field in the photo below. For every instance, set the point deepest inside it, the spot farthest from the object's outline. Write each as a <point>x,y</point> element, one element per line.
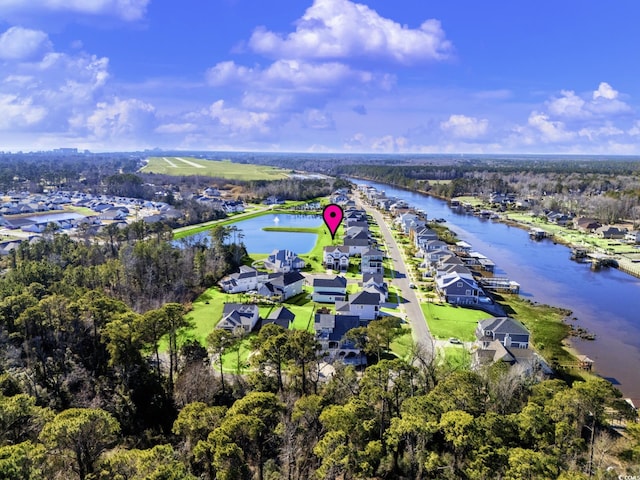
<point>446,321</point>
<point>212,168</point>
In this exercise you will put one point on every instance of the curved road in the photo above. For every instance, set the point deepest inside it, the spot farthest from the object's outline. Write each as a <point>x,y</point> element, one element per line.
<point>401,280</point>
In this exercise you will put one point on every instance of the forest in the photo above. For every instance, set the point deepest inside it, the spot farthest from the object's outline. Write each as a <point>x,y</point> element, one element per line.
<point>98,381</point>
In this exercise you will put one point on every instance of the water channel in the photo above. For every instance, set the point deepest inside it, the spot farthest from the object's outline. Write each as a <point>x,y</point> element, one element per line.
<point>606,302</point>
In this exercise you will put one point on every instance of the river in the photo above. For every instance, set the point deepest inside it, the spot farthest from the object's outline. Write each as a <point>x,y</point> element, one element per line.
<point>606,302</point>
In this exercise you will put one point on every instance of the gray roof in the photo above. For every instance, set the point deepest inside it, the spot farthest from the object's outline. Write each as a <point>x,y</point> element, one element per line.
<point>503,325</point>
<point>365,298</point>
<point>337,281</point>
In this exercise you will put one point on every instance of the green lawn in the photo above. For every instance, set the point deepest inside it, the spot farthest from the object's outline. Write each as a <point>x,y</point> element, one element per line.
<point>207,312</point>
<point>212,168</point>
<point>457,358</point>
<point>446,321</point>
<point>230,360</point>
<point>401,346</point>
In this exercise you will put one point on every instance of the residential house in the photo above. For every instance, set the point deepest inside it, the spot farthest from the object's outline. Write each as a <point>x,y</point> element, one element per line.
<point>503,339</point>
<point>365,305</point>
<point>374,282</point>
<point>280,316</point>
<point>236,315</point>
<point>611,232</point>
<point>329,290</point>
<point>336,257</point>
<point>633,236</point>
<point>284,261</point>
<point>435,249</point>
<point>586,224</point>
<point>372,261</point>
<point>507,331</point>
<point>357,241</point>
<point>282,285</point>
<point>330,333</point>
<point>459,289</point>
<point>248,278</point>
<point>273,200</point>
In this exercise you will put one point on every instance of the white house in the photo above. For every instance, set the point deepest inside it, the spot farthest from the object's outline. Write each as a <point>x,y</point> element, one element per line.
<point>283,261</point>
<point>329,290</point>
<point>236,315</point>
<point>365,305</point>
<point>248,278</point>
<point>372,261</point>
<point>336,257</point>
<point>283,285</point>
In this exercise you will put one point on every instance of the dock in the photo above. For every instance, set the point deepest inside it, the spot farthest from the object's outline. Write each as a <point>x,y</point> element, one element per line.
<point>499,284</point>
<point>537,234</point>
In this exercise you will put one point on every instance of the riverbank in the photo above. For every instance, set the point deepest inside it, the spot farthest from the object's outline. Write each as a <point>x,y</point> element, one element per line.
<point>601,301</point>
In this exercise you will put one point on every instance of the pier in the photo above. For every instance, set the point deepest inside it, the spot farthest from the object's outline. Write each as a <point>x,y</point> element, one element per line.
<point>499,284</point>
<point>537,234</point>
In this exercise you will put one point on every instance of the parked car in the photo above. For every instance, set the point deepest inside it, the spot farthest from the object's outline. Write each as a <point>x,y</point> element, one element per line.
<point>455,340</point>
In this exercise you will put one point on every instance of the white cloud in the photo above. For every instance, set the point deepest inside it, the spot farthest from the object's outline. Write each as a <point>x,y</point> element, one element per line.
<point>461,126</point>
<point>129,10</point>
<point>293,74</point>
<point>603,102</point>
<point>318,120</point>
<point>548,130</point>
<point>568,105</point>
<point>593,133</point>
<point>635,129</point>
<point>341,29</point>
<point>16,112</point>
<point>236,121</point>
<point>120,119</point>
<point>19,43</point>
<point>176,128</point>
<point>605,91</point>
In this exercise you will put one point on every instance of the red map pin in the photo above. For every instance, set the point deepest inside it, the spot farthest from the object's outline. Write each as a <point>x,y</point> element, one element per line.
<point>332,216</point>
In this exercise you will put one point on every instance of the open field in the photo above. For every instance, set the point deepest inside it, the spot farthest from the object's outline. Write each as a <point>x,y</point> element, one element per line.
<point>212,168</point>
<point>446,321</point>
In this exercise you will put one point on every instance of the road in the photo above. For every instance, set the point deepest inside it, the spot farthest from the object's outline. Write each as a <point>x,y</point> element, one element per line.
<point>402,280</point>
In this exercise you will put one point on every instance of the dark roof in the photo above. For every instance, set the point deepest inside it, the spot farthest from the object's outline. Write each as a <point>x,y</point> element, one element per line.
<point>280,316</point>
<point>365,298</point>
<point>337,281</point>
<point>377,278</point>
<point>284,279</point>
<point>241,308</point>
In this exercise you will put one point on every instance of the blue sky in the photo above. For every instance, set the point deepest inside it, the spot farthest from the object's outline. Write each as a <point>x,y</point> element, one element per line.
<point>324,75</point>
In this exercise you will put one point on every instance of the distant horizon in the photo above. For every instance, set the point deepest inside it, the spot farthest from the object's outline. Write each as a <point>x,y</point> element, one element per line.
<point>154,152</point>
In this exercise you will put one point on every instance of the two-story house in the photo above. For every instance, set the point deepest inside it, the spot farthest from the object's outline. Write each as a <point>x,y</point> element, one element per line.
<point>236,315</point>
<point>336,258</point>
<point>372,261</point>
<point>248,278</point>
<point>283,261</point>
<point>365,305</point>
<point>329,290</point>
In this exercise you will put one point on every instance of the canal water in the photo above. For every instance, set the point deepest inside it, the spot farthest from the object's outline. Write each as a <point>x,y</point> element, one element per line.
<point>605,302</point>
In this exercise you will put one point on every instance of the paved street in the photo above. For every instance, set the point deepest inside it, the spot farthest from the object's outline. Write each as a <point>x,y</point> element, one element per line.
<point>412,306</point>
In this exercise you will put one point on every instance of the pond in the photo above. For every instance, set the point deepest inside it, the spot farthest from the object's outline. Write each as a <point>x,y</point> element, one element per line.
<point>258,240</point>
